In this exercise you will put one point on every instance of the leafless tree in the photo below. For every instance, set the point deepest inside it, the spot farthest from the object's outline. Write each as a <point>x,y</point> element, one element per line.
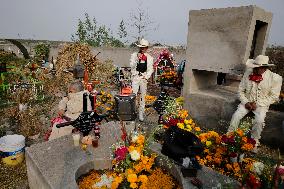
<point>141,22</point>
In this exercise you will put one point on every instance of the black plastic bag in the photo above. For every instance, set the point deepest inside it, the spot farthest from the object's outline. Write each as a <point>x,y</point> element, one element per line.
<point>179,144</point>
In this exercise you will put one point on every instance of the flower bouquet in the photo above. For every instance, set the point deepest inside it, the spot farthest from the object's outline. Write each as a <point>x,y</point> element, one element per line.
<point>168,77</point>
<point>133,167</point>
<point>105,103</point>
<point>237,143</point>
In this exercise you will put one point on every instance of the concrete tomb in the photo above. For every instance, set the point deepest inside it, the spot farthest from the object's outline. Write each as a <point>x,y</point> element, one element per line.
<point>219,43</point>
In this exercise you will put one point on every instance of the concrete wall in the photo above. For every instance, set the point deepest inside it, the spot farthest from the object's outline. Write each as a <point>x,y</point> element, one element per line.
<point>119,56</point>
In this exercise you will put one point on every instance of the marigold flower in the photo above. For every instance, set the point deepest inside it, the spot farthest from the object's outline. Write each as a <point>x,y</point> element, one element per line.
<point>206,150</point>
<point>208,143</point>
<point>144,159</point>
<point>131,148</point>
<point>197,129</point>
<point>214,134</point>
<point>133,185</point>
<point>186,121</point>
<point>140,139</point>
<point>114,185</point>
<point>180,125</point>
<point>129,171</point>
<point>189,127</point>
<point>209,158</point>
<point>165,127</point>
<point>240,132</point>
<point>138,168</point>
<point>143,178</point>
<point>247,147</point>
<point>118,179</point>
<point>132,178</point>
<point>229,166</point>
<point>218,160</point>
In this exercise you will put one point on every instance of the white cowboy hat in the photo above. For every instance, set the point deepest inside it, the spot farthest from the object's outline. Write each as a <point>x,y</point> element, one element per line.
<point>259,61</point>
<point>143,43</point>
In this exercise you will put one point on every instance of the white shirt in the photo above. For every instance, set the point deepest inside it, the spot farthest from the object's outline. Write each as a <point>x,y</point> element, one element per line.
<point>263,93</point>
<point>133,63</point>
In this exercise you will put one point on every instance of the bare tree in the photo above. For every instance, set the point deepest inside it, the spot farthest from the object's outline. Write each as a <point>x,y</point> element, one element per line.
<point>141,22</point>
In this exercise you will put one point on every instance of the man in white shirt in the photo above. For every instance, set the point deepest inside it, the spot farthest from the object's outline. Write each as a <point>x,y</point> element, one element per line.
<point>258,89</point>
<point>141,64</point>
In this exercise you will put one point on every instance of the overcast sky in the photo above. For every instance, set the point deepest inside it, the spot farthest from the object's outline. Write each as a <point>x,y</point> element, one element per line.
<point>57,19</point>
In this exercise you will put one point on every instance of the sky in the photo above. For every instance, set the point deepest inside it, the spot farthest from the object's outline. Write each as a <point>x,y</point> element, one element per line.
<point>58,19</point>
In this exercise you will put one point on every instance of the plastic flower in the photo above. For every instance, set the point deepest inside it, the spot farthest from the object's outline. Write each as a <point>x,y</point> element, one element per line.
<point>135,155</point>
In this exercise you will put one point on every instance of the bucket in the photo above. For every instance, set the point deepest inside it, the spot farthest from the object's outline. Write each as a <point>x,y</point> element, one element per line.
<point>12,149</point>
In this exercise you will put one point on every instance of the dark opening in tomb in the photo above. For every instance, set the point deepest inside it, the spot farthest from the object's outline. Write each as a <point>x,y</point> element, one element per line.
<point>258,39</point>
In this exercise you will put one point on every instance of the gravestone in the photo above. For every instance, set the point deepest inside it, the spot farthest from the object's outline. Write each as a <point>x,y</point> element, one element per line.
<point>220,41</point>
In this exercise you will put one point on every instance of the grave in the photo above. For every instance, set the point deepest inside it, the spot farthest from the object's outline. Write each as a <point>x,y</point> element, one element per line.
<point>220,41</point>
<point>58,163</point>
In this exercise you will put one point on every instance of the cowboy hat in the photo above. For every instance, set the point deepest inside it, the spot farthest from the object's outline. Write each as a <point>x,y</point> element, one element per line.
<point>259,61</point>
<point>143,43</point>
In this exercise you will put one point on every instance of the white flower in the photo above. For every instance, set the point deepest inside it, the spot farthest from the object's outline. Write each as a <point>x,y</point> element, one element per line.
<point>258,167</point>
<point>105,181</point>
<point>135,155</point>
<point>134,138</point>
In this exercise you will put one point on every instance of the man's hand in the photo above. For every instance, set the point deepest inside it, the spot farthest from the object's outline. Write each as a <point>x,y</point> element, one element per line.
<point>253,105</point>
<point>248,106</point>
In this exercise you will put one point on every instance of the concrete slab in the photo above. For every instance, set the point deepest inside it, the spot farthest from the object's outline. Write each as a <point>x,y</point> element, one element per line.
<point>53,164</point>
